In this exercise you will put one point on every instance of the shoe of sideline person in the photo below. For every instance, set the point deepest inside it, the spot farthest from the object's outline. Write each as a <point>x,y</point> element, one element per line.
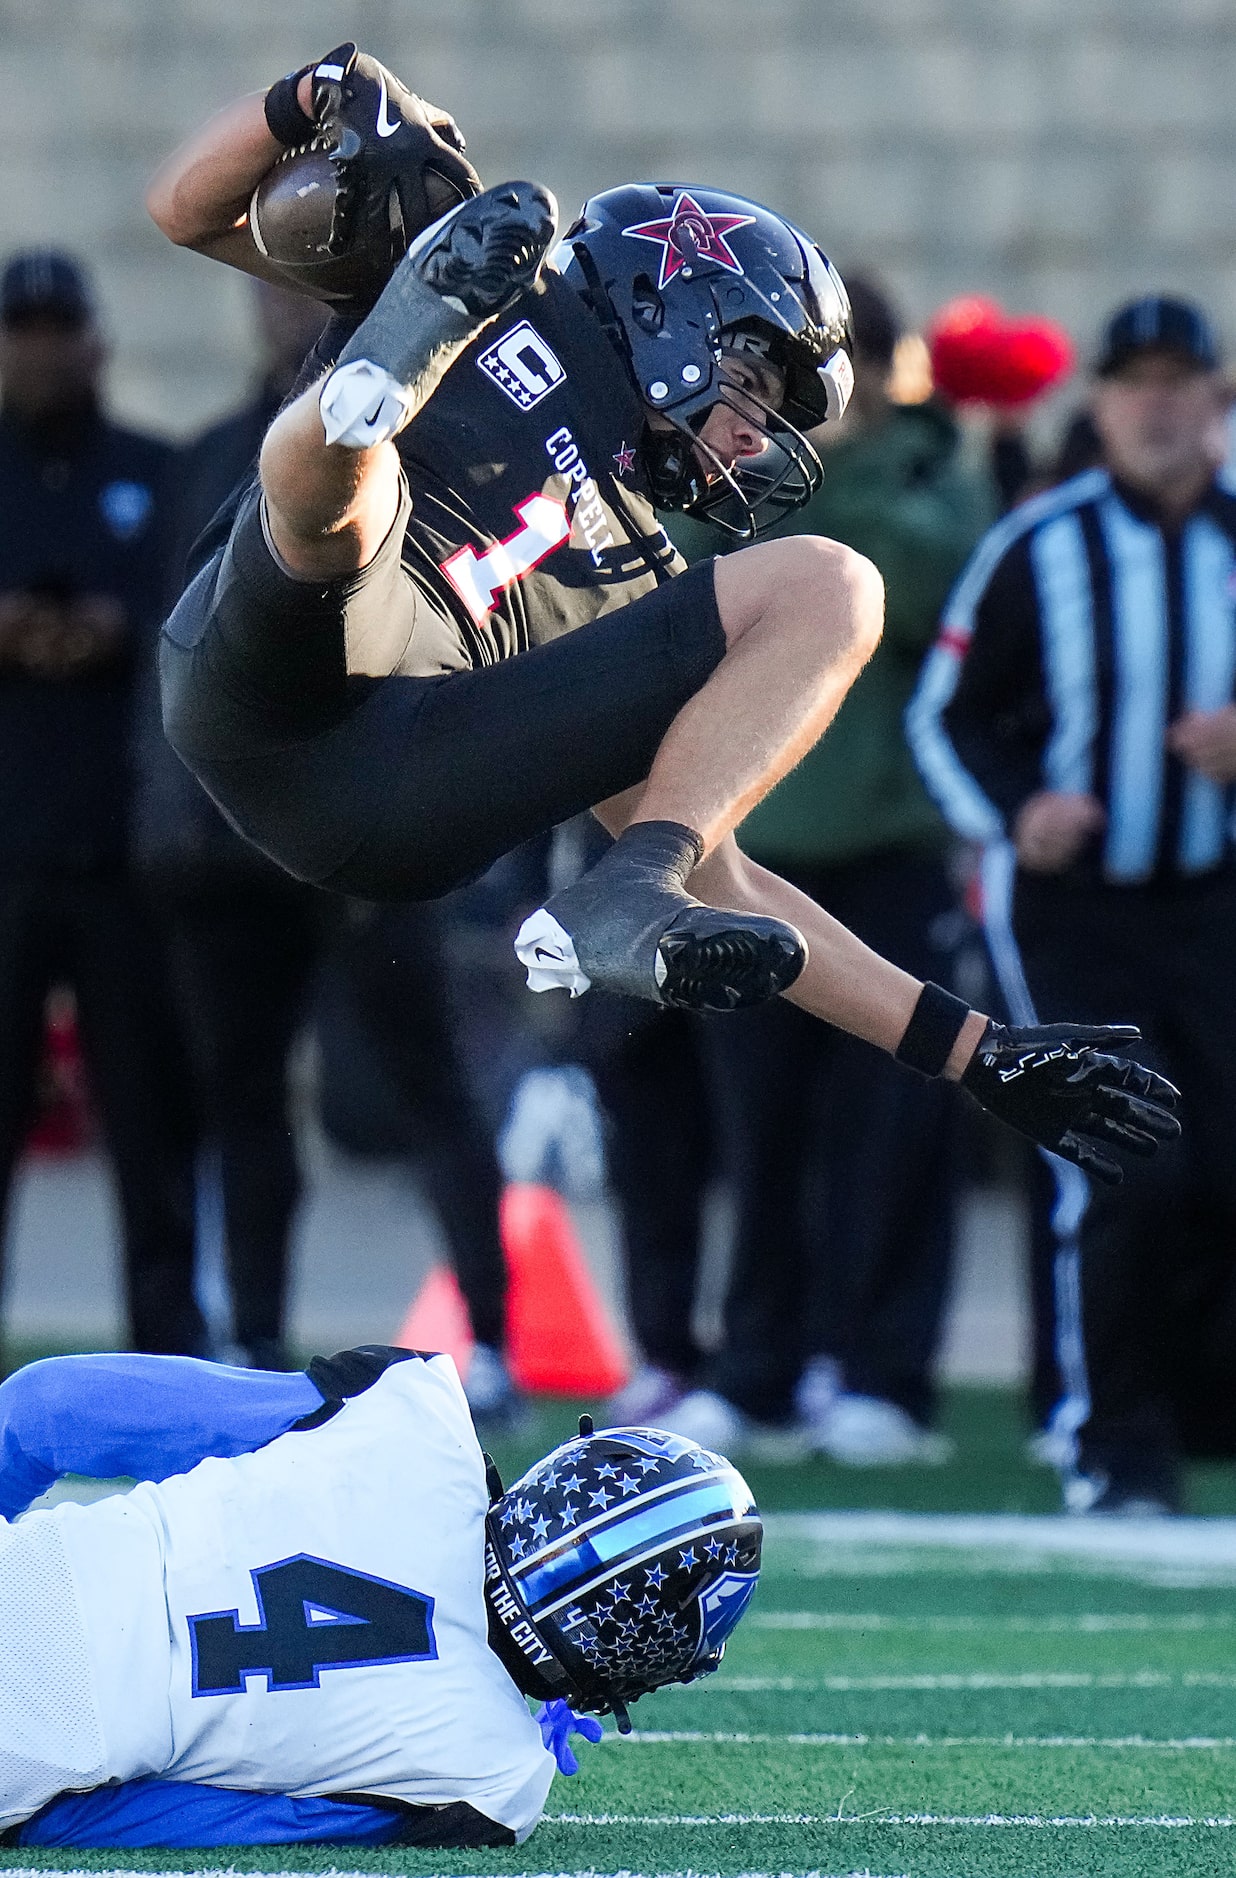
<point>867,1431</point>
<point>651,1394</point>
<point>492,1396</point>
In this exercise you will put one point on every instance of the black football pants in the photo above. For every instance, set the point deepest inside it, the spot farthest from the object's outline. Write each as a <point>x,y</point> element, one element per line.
<point>404,785</point>
<point>94,933</point>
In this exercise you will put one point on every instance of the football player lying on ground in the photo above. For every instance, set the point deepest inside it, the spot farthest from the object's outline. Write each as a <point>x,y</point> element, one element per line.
<point>444,617</point>
<point>320,1617</point>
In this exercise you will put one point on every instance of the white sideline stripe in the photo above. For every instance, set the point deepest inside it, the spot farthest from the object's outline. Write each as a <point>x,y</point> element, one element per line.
<point>976,1679</point>
<point>1184,1744</point>
<point>1153,1541</point>
<point>238,1871</point>
<point>1085,1623</point>
<point>881,1818</point>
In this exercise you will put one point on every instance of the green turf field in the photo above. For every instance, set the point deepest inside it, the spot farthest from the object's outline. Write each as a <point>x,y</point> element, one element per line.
<point>913,1693</point>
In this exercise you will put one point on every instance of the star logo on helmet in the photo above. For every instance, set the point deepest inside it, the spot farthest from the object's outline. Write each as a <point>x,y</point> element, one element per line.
<point>540,1528</point>
<point>656,1576</point>
<point>627,1485</point>
<point>600,1498</point>
<point>606,1471</point>
<point>624,457</point>
<point>689,234</point>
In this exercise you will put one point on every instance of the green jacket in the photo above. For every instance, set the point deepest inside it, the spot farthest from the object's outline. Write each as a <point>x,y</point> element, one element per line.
<point>901,495</point>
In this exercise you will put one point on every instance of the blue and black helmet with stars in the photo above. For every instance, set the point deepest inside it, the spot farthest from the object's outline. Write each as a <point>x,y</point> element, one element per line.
<point>620,1562</point>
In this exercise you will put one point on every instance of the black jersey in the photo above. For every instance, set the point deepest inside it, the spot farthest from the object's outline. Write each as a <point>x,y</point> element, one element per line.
<point>529,517</point>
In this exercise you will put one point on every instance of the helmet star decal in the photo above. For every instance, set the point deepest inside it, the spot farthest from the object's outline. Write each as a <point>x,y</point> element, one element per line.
<point>688,234</point>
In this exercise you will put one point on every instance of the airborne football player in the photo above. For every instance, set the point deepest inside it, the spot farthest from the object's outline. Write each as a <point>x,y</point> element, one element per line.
<point>443,616</point>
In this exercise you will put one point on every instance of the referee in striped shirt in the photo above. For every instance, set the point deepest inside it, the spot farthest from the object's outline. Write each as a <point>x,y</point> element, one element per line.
<point>1077,718</point>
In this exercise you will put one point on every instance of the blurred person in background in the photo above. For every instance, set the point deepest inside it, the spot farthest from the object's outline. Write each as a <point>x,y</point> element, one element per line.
<point>845,1169</point>
<point>243,936</point>
<point>246,943</point>
<point>84,513</point>
<point>1078,716</point>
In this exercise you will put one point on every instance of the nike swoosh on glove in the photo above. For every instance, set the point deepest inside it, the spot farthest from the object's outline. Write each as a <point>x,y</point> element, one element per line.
<point>398,160</point>
<point>558,1722</point>
<point>1058,1084</point>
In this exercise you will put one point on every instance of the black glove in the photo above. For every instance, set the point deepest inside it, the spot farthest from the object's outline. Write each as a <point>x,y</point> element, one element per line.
<point>397,164</point>
<point>1054,1083</point>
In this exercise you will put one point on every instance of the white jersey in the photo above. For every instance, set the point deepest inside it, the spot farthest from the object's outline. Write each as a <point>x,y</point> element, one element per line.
<point>309,1618</point>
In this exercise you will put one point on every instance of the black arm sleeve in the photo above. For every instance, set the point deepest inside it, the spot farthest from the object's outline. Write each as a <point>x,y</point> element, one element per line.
<point>998,717</point>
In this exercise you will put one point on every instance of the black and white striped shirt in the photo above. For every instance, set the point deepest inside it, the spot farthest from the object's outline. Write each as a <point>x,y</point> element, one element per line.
<point>1079,631</point>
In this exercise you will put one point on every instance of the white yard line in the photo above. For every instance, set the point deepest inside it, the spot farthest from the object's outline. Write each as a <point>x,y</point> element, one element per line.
<point>1181,1542</point>
<point>1183,1744</point>
<point>970,1680</point>
<point>882,1818</point>
<point>1083,1623</point>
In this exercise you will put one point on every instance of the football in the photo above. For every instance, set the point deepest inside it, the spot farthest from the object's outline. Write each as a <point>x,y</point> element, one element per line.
<point>291,215</point>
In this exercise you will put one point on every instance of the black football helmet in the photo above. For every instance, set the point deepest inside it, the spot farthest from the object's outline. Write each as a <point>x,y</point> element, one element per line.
<point>679,277</point>
<point>620,1562</point>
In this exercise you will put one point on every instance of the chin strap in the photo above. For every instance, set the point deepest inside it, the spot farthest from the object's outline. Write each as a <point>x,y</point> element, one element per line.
<point>558,1722</point>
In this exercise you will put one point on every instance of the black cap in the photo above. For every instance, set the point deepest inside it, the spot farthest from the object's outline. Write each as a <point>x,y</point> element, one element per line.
<point>1157,323</point>
<point>44,280</point>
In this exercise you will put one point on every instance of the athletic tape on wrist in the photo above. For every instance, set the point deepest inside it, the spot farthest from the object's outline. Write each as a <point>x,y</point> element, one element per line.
<point>285,120</point>
<point>932,1031</point>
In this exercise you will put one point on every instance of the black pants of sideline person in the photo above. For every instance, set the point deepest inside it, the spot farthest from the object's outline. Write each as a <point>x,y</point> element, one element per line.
<point>242,958</point>
<point>94,934</point>
<point>844,1168</point>
<point>650,1074</point>
<point>390,963</point>
<point>1158,1253</point>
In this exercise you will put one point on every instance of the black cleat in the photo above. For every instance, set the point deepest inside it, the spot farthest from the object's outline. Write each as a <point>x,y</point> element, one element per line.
<point>489,250</point>
<point>457,276</point>
<point>691,956</point>
<point>718,961</point>
<point>629,925</point>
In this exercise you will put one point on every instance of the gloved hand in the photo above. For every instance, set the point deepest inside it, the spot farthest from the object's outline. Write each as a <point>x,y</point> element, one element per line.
<point>359,179</point>
<point>1056,1084</point>
<point>558,1722</point>
<point>399,160</point>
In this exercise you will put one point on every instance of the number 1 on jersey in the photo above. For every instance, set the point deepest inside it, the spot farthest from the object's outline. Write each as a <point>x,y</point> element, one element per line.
<point>479,579</point>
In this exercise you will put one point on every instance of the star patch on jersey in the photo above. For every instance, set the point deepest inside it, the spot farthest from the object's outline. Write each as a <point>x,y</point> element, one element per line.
<point>624,457</point>
<point>688,235</point>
